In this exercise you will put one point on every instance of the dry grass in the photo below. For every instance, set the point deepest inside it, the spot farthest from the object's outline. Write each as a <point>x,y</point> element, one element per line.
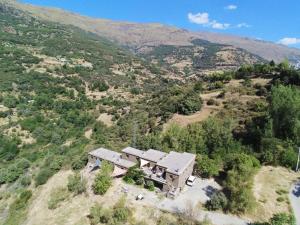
<point>183,120</point>
<point>88,133</point>
<point>75,210</point>
<point>106,119</point>
<point>271,184</point>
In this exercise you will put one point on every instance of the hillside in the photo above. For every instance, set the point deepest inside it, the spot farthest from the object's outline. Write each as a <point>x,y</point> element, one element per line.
<point>65,91</point>
<point>142,36</point>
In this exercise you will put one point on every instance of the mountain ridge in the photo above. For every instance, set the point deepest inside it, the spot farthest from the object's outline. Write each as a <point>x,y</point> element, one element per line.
<point>137,35</point>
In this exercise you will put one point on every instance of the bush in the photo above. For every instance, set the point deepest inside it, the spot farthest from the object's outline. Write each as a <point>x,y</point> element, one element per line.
<point>121,213</point>
<point>103,180</point>
<point>76,185</point>
<point>283,219</point>
<point>134,175</point>
<point>217,201</point>
<point>211,101</point>
<point>149,185</point>
<point>21,201</point>
<point>25,181</point>
<point>101,184</point>
<point>57,196</point>
<point>43,176</point>
<point>80,162</point>
<point>100,215</point>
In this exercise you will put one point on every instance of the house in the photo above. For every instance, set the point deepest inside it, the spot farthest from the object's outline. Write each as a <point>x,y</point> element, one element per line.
<point>168,171</point>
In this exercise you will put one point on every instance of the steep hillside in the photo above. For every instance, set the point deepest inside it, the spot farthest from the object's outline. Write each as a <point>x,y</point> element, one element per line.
<point>140,36</point>
<point>200,57</point>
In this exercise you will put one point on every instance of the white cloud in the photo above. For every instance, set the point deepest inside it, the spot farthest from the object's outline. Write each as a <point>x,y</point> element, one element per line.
<point>203,19</point>
<point>241,25</point>
<point>221,26</point>
<point>231,7</point>
<point>199,18</point>
<point>289,41</point>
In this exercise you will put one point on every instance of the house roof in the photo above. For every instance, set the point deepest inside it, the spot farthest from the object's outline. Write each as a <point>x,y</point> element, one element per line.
<point>112,156</point>
<point>133,151</point>
<point>153,155</point>
<point>176,162</point>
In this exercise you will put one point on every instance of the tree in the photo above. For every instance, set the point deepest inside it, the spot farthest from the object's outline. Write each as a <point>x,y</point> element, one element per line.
<point>217,201</point>
<point>285,112</point>
<point>217,134</point>
<point>238,184</point>
<point>206,167</point>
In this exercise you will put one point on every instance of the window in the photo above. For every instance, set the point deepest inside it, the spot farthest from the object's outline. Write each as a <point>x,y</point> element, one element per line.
<point>127,155</point>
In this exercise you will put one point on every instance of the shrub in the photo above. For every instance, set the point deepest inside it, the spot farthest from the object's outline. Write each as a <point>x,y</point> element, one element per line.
<point>217,201</point>
<point>103,180</point>
<point>43,176</point>
<point>135,91</point>
<point>121,213</point>
<point>211,101</point>
<point>57,196</point>
<point>76,184</point>
<point>100,215</point>
<point>80,162</point>
<point>149,185</point>
<point>21,201</point>
<point>134,175</point>
<point>101,184</point>
<point>283,219</point>
<point>25,181</point>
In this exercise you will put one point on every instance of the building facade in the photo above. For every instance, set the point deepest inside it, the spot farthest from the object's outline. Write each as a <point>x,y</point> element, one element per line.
<point>168,171</point>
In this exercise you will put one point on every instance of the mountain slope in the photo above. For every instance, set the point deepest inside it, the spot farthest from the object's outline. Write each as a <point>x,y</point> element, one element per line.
<point>139,36</point>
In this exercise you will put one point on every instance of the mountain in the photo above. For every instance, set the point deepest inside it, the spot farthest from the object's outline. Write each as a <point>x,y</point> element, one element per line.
<point>141,37</point>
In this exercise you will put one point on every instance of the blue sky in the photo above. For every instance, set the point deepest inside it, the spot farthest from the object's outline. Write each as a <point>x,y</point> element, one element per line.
<point>272,20</point>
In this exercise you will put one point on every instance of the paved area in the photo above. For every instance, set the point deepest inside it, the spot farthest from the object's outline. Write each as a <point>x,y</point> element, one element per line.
<point>295,201</point>
<point>186,201</point>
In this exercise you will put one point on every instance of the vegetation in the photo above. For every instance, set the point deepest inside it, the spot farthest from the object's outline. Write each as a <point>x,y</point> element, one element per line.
<point>17,210</point>
<point>57,196</point>
<point>280,219</point>
<point>118,214</point>
<point>103,179</point>
<point>134,175</point>
<point>217,201</point>
<point>55,104</point>
<point>76,184</point>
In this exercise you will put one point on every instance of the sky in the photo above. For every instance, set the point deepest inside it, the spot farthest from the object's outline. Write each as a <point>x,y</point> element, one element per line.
<point>270,20</point>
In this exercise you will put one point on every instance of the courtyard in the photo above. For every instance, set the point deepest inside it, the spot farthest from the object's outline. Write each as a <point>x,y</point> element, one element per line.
<point>189,201</point>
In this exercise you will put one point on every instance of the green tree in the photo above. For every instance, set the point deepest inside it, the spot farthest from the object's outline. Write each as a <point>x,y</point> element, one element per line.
<point>207,167</point>
<point>285,112</point>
